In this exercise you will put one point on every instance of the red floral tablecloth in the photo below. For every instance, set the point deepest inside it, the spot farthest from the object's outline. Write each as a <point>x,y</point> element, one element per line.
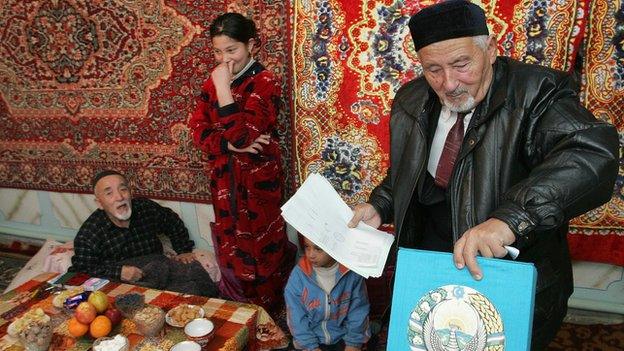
<point>233,321</point>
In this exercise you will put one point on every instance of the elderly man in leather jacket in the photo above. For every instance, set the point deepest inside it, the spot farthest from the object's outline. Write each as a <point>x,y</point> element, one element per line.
<point>530,158</point>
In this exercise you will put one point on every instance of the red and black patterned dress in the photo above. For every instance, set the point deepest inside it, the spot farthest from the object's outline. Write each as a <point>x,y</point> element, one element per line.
<point>248,233</point>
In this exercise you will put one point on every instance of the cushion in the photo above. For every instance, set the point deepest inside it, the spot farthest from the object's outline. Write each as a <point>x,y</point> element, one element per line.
<point>206,258</point>
<point>59,259</point>
<point>37,263</point>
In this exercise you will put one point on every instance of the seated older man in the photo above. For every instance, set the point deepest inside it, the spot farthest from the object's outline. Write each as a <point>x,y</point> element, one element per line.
<point>119,241</point>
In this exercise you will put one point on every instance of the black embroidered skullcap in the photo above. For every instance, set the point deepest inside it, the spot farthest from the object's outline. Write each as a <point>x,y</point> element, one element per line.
<point>104,173</point>
<point>447,20</point>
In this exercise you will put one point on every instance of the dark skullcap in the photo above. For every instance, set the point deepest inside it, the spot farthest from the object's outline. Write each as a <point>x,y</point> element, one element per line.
<point>447,20</point>
<point>104,173</point>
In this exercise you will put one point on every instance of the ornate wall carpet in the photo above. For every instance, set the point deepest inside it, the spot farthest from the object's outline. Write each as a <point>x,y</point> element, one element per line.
<point>87,85</point>
<point>599,234</point>
<point>349,59</point>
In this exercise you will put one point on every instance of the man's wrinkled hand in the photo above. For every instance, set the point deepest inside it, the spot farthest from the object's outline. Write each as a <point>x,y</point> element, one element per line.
<point>131,273</point>
<point>366,213</point>
<point>185,257</point>
<point>352,348</point>
<point>487,239</point>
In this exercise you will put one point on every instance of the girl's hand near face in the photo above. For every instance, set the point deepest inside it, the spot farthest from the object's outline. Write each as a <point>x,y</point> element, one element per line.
<point>222,75</point>
<point>230,65</point>
<point>221,78</point>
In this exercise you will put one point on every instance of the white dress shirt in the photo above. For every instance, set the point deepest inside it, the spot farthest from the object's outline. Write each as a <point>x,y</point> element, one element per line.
<point>445,123</point>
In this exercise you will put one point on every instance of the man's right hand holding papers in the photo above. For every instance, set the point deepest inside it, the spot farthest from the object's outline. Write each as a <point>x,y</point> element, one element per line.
<point>317,211</point>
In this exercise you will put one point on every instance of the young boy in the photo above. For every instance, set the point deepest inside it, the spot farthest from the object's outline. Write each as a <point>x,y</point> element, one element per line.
<point>327,304</point>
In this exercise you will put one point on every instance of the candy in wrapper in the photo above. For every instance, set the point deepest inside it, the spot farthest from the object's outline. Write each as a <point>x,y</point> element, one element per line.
<point>74,301</point>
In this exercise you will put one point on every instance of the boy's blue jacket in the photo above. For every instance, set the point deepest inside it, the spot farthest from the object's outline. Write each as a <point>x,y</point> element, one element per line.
<point>314,317</point>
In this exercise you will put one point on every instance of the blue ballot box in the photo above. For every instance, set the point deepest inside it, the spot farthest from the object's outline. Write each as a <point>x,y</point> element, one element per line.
<point>435,306</point>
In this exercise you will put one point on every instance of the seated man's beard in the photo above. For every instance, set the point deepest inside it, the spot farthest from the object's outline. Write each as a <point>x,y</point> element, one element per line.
<point>126,215</point>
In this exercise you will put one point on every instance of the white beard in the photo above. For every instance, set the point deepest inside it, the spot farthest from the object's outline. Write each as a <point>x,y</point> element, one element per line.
<point>126,215</point>
<point>465,106</point>
<point>462,107</point>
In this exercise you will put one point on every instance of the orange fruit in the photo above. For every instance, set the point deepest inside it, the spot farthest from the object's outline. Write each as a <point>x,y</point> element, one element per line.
<point>77,329</point>
<point>100,326</point>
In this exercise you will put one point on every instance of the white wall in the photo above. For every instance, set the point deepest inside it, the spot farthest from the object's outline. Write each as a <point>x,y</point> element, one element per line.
<point>598,287</point>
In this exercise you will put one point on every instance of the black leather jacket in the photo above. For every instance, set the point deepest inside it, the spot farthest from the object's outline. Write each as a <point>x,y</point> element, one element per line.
<point>531,157</point>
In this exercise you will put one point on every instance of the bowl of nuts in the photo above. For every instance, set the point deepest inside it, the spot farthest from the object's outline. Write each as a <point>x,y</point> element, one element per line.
<point>149,320</point>
<point>180,315</point>
<point>33,330</point>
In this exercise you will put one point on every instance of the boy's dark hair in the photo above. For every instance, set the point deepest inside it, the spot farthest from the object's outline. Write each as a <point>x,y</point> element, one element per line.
<point>105,173</point>
<point>235,26</point>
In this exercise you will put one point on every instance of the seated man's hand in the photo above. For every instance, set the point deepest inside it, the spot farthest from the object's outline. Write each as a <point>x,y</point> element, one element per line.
<point>131,273</point>
<point>351,348</point>
<point>185,257</point>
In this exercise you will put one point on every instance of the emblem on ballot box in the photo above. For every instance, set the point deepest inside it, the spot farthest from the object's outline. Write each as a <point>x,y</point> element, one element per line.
<point>455,317</point>
<point>437,307</point>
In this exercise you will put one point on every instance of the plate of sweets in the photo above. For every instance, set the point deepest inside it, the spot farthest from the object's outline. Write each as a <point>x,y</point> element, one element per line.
<point>180,315</point>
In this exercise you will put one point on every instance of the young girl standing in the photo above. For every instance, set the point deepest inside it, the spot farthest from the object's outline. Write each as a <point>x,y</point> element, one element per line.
<point>235,123</point>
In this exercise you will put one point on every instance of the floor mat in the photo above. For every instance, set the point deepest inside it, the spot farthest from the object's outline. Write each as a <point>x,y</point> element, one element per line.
<point>589,337</point>
<point>10,264</point>
<point>10,244</point>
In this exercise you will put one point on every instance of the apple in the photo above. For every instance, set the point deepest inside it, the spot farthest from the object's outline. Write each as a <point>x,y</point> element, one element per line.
<point>99,300</point>
<point>85,312</point>
<point>113,314</point>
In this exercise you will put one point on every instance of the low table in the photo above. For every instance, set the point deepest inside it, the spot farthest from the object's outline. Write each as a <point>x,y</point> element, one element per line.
<point>238,326</point>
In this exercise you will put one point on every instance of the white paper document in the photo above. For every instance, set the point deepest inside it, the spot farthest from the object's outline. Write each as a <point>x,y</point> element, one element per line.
<point>318,212</point>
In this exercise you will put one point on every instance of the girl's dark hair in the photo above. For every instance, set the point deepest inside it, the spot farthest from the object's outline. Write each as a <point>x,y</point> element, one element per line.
<point>235,26</point>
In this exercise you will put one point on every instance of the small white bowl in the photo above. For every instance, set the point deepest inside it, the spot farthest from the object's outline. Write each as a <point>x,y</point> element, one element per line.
<point>200,330</point>
<point>124,347</point>
<point>186,346</point>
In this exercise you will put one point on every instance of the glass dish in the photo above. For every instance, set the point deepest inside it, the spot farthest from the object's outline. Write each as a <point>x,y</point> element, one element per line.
<point>149,320</point>
<point>36,336</point>
<point>129,304</point>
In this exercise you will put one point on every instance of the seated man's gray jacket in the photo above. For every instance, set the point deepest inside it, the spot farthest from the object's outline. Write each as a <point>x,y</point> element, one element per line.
<point>532,157</point>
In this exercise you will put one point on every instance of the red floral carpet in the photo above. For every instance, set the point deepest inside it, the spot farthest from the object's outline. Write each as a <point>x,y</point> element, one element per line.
<point>91,84</point>
<point>599,234</point>
<point>351,57</point>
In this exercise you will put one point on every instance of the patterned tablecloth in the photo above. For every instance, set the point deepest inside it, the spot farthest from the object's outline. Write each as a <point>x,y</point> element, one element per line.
<point>233,321</point>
